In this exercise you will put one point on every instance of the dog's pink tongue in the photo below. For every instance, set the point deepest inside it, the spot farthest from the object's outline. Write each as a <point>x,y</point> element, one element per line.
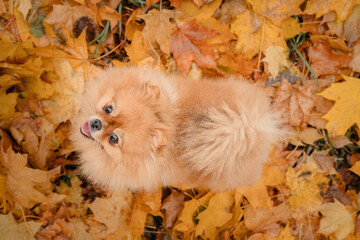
<point>85,129</point>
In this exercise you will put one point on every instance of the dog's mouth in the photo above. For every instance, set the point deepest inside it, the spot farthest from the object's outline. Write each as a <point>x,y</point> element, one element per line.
<point>85,130</point>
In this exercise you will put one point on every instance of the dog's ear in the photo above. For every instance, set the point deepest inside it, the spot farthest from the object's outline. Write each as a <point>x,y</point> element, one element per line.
<point>160,138</point>
<point>152,90</point>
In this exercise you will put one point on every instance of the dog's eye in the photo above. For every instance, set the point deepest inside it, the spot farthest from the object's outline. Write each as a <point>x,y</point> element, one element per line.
<point>108,109</point>
<point>113,139</point>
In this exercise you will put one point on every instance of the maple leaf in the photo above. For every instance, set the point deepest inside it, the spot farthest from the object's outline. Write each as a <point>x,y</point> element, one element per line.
<point>296,102</point>
<point>324,61</point>
<point>7,100</point>
<point>320,7</point>
<point>189,44</point>
<point>345,111</point>
<point>185,221</point>
<point>113,211</point>
<point>276,11</point>
<point>27,186</point>
<point>304,189</point>
<point>159,28</point>
<point>73,193</point>
<point>10,229</point>
<point>256,194</point>
<point>138,50</point>
<point>275,58</point>
<point>215,215</point>
<point>67,15</point>
<point>336,219</point>
<point>285,234</point>
<point>107,13</point>
<point>265,220</point>
<point>250,34</point>
<point>204,17</point>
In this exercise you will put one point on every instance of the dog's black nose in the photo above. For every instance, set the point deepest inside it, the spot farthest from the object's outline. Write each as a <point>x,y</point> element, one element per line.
<point>95,125</point>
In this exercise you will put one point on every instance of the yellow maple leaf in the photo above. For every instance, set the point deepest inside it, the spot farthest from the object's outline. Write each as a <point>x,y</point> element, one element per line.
<point>159,28</point>
<point>10,229</point>
<point>204,17</point>
<point>215,215</point>
<point>185,220</point>
<point>28,186</point>
<point>7,100</point>
<point>276,11</point>
<point>304,187</point>
<point>113,211</point>
<point>320,7</point>
<point>346,110</point>
<point>74,192</point>
<point>275,58</point>
<point>285,234</point>
<point>138,50</point>
<point>256,194</point>
<point>252,32</point>
<point>356,168</point>
<point>290,27</point>
<point>336,219</point>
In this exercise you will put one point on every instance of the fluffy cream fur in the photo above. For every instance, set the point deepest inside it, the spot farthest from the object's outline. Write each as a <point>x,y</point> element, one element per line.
<point>174,131</point>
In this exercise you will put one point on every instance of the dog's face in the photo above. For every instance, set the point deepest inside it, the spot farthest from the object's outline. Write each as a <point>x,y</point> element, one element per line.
<point>118,128</point>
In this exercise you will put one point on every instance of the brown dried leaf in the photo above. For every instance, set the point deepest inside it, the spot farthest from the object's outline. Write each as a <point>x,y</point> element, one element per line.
<point>189,44</point>
<point>324,61</point>
<point>265,220</point>
<point>172,206</point>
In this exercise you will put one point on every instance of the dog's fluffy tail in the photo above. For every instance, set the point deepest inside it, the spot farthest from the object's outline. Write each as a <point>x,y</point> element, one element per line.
<point>222,143</point>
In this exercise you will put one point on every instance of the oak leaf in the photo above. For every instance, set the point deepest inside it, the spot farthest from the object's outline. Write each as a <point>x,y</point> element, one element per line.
<point>345,111</point>
<point>324,61</point>
<point>336,219</point>
<point>27,186</point>
<point>189,44</point>
<point>215,215</point>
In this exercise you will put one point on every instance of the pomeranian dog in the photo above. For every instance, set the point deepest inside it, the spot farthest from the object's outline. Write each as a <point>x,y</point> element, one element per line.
<point>140,129</point>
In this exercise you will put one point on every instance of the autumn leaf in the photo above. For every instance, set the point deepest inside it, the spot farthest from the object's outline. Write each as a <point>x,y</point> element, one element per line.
<point>185,220</point>
<point>275,58</point>
<point>11,230</point>
<point>276,11</point>
<point>66,15</point>
<point>113,211</point>
<point>345,111</point>
<point>324,61</point>
<point>215,215</point>
<point>336,219</point>
<point>189,44</point>
<point>23,183</point>
<point>304,187</point>
<point>159,28</point>
<point>321,7</point>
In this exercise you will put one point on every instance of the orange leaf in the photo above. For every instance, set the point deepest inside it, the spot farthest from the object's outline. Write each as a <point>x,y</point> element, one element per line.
<point>324,61</point>
<point>189,44</point>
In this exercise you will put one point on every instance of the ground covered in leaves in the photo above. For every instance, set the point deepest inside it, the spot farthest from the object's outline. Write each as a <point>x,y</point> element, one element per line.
<point>305,52</point>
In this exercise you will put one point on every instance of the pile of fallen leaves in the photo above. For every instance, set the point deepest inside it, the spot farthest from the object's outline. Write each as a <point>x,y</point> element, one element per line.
<point>306,53</point>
